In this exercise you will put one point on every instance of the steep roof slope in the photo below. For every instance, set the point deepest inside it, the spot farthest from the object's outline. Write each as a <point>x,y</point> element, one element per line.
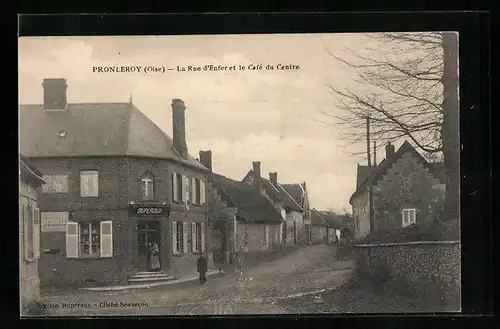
<point>251,206</point>
<point>436,169</point>
<point>94,129</point>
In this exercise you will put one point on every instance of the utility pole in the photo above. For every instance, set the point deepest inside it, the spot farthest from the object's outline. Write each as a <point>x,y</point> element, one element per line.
<point>375,154</point>
<point>370,195</point>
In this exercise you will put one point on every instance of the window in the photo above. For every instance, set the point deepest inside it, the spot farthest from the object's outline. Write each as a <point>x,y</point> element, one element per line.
<point>196,191</point>
<point>89,239</point>
<point>147,187</point>
<point>179,237</point>
<point>89,184</point>
<point>357,222</point>
<point>178,188</point>
<point>409,216</point>
<point>55,184</point>
<point>197,237</point>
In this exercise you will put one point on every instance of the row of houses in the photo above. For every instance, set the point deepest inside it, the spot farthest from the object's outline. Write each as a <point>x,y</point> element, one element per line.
<point>114,182</point>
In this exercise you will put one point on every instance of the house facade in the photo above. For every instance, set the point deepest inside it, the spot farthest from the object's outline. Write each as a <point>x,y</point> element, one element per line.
<point>406,189</point>
<point>30,181</point>
<point>291,200</point>
<point>115,183</point>
<point>246,220</point>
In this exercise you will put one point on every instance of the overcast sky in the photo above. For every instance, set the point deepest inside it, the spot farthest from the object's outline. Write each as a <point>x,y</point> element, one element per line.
<point>242,116</point>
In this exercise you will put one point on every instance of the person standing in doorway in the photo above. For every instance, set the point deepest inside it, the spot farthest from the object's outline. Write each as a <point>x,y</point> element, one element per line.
<point>202,269</point>
<point>154,258</point>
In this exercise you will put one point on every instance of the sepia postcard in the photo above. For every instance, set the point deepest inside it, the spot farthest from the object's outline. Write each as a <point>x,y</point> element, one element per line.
<point>239,174</point>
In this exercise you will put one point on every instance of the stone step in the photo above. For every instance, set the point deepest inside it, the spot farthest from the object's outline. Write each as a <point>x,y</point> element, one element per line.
<point>148,274</point>
<point>164,278</point>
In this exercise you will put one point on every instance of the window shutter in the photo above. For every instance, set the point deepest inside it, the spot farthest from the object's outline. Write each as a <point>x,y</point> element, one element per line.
<point>202,237</point>
<point>202,192</point>
<point>193,237</point>
<point>187,182</point>
<point>24,211</point>
<point>174,238</point>
<point>107,239</point>
<point>413,216</point>
<point>183,187</point>
<point>184,237</point>
<point>194,191</point>
<point>72,240</point>
<point>36,233</point>
<point>174,186</point>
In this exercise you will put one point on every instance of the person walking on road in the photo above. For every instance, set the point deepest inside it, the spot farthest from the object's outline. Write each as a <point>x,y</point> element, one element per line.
<point>241,270</point>
<point>202,269</point>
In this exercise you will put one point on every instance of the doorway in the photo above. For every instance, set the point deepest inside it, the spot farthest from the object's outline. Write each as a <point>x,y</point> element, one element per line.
<point>148,231</point>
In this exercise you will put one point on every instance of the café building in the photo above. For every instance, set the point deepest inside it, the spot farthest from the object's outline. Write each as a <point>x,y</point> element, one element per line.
<point>114,184</point>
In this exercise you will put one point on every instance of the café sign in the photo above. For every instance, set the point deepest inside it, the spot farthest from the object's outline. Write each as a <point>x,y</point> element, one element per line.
<point>54,221</point>
<point>148,210</point>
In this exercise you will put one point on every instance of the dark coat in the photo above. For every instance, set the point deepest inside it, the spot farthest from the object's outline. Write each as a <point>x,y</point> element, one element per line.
<point>201,264</point>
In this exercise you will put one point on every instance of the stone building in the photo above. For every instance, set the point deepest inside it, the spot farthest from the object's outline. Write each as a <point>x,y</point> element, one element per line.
<point>115,182</point>
<point>406,189</point>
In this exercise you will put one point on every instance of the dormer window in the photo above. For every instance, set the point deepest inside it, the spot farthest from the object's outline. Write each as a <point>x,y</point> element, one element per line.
<point>62,134</point>
<point>147,183</point>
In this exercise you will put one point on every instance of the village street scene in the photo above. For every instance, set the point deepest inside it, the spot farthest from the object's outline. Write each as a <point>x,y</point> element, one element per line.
<point>286,191</point>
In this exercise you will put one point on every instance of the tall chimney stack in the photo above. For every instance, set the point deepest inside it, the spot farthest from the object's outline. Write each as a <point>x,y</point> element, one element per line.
<point>179,127</point>
<point>206,159</point>
<point>273,177</point>
<point>54,94</point>
<point>256,175</point>
<point>389,151</point>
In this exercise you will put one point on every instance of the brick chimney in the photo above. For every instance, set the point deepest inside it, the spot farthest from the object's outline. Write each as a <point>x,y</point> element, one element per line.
<point>389,151</point>
<point>179,127</point>
<point>273,177</point>
<point>256,175</point>
<point>54,94</point>
<point>206,159</point>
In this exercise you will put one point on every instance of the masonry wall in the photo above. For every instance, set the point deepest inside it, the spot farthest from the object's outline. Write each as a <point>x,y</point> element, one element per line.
<point>361,215</point>
<point>318,234</point>
<point>424,265</point>
<point>407,184</point>
<point>28,269</point>
<point>119,183</point>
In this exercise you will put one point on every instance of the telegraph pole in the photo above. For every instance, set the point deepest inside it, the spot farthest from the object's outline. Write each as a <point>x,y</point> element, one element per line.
<point>370,194</point>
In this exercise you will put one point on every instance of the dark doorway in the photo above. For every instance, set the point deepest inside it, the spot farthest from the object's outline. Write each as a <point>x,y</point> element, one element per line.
<point>148,231</point>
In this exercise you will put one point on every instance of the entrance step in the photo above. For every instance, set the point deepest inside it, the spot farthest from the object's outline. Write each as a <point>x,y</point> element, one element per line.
<point>145,277</point>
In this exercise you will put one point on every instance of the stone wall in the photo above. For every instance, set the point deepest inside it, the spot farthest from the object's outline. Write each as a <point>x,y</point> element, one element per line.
<point>424,265</point>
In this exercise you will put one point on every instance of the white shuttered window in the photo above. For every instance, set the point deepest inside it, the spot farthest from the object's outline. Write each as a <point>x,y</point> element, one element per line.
<point>107,239</point>
<point>202,192</point>
<point>184,237</point>
<point>71,240</point>
<point>202,237</point>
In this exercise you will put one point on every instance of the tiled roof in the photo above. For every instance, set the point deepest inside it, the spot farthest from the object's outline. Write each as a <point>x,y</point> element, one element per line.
<point>251,205</point>
<point>381,169</point>
<point>282,192</point>
<point>94,129</point>
<point>295,191</point>
<point>329,219</point>
<point>317,218</point>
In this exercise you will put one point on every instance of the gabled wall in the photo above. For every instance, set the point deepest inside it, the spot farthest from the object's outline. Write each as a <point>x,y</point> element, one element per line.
<point>407,184</point>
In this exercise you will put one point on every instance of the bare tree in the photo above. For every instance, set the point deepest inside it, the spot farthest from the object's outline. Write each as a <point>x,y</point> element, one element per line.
<point>407,83</point>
